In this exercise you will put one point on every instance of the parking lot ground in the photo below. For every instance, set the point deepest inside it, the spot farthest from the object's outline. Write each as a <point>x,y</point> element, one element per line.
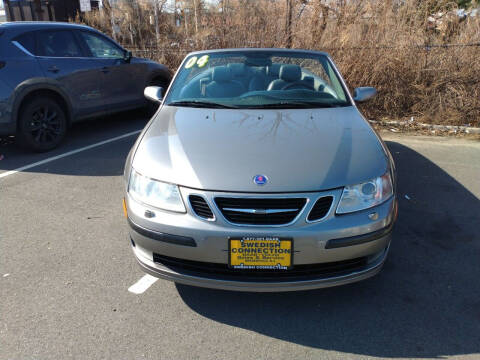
<point>81,135</point>
<point>66,267</point>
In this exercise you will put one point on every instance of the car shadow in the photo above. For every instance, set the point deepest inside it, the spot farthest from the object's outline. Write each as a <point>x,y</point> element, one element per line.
<point>99,162</point>
<point>424,303</point>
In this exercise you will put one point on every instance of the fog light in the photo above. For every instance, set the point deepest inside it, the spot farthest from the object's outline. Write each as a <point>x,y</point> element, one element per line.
<point>373,216</point>
<point>149,214</point>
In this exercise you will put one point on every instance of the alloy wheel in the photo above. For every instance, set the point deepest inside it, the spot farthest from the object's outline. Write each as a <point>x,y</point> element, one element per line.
<point>45,127</point>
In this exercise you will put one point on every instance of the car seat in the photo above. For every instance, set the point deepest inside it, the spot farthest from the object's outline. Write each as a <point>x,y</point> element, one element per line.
<point>289,75</point>
<point>223,84</point>
<point>258,79</point>
<point>240,73</point>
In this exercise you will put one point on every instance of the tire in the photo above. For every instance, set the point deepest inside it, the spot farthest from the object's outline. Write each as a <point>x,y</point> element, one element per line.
<point>42,124</point>
<point>152,107</point>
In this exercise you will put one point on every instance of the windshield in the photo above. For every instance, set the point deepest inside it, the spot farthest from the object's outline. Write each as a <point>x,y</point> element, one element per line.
<point>257,79</point>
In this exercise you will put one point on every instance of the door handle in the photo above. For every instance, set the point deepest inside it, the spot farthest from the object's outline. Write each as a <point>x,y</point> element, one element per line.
<point>53,69</point>
<point>105,69</point>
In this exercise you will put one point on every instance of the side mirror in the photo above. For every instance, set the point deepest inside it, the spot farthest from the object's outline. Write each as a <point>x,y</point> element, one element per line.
<point>362,94</point>
<point>127,56</point>
<point>153,93</point>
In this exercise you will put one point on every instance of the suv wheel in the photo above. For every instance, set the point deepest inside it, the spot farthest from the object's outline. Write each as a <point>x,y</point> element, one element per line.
<point>42,124</point>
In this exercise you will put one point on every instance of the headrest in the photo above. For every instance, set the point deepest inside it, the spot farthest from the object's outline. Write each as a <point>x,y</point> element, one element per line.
<point>273,70</point>
<point>221,74</point>
<point>290,73</point>
<point>309,80</point>
<point>237,69</point>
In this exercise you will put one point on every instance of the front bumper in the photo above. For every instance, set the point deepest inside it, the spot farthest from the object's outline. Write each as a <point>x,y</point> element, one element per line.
<point>222,282</point>
<point>333,240</point>
<point>7,128</point>
<point>7,123</point>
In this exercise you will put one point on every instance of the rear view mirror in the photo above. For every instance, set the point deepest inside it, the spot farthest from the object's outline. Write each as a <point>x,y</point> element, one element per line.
<point>362,94</point>
<point>127,56</point>
<point>153,93</point>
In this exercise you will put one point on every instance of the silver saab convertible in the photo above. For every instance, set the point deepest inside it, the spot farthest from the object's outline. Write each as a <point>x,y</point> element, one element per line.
<point>258,173</point>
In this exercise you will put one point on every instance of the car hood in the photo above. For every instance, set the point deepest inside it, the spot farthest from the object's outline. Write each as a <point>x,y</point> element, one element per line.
<point>298,150</point>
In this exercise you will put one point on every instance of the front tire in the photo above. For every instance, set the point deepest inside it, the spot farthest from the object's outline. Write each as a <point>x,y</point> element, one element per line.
<point>42,124</point>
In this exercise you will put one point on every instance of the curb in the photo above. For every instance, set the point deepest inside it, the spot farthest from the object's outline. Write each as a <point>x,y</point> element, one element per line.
<point>465,129</point>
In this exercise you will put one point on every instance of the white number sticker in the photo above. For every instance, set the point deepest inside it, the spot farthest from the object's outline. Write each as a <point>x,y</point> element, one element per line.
<point>192,61</point>
<point>202,61</point>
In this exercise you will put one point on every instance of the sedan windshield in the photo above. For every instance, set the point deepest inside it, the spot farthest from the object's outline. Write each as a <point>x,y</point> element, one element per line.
<point>257,79</point>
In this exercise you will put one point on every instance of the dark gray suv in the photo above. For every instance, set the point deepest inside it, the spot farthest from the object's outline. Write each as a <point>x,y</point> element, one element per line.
<point>54,74</point>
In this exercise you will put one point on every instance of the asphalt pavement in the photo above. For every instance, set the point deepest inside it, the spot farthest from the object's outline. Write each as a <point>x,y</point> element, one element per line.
<point>66,267</point>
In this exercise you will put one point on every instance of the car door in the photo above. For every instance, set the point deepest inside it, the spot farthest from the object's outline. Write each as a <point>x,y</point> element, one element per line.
<point>120,88</point>
<point>63,61</point>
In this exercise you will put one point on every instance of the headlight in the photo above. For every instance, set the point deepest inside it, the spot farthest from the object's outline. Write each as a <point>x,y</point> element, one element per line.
<point>365,195</point>
<point>155,193</point>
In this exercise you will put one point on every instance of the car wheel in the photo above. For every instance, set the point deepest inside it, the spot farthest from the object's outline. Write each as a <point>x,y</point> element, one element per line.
<point>152,106</point>
<point>42,124</point>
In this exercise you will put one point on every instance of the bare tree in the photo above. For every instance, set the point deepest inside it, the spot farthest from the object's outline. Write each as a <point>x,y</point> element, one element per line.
<point>288,23</point>
<point>320,12</point>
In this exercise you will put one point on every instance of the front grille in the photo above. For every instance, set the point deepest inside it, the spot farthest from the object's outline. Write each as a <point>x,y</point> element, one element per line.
<point>260,211</point>
<point>200,207</point>
<point>298,272</point>
<point>321,208</point>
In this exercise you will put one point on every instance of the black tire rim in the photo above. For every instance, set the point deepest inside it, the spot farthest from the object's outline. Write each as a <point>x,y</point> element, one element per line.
<point>45,125</point>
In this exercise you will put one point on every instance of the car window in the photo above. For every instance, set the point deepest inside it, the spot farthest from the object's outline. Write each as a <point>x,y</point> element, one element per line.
<point>57,44</point>
<point>101,47</point>
<point>27,41</point>
<point>256,79</point>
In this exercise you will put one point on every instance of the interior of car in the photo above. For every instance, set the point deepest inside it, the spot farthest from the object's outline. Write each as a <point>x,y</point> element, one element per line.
<point>237,79</point>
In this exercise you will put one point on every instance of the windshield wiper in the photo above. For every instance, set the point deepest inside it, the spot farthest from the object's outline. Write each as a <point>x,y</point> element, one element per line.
<point>293,105</point>
<point>201,104</point>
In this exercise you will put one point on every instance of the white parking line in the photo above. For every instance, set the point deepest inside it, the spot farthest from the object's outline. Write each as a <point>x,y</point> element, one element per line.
<point>73,152</point>
<point>143,284</point>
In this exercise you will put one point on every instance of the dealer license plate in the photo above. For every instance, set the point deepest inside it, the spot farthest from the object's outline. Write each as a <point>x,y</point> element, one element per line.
<point>260,253</point>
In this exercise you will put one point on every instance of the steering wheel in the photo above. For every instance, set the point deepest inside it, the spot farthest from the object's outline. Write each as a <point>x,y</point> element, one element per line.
<point>299,83</point>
